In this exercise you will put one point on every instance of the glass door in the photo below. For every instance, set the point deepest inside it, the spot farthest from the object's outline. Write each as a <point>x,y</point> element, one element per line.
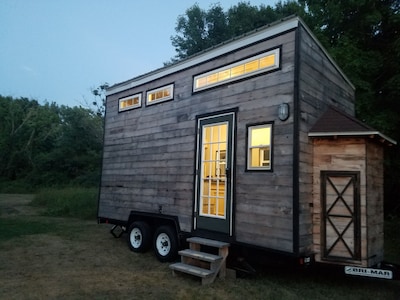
<point>214,174</point>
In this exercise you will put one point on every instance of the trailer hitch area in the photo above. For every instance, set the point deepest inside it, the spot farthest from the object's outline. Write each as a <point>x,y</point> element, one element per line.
<point>117,231</point>
<point>383,270</point>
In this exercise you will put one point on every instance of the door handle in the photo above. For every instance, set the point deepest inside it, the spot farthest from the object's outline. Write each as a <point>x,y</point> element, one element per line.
<point>228,172</point>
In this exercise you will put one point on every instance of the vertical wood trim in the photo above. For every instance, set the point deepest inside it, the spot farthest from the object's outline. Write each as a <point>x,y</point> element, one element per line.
<point>296,145</point>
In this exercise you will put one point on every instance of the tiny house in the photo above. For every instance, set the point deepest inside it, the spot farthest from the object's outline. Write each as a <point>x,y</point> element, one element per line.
<point>252,143</point>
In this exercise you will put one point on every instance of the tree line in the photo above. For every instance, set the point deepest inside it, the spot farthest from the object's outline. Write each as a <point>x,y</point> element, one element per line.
<point>48,145</point>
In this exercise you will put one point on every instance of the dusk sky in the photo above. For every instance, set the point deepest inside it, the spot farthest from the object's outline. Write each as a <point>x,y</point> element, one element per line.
<point>57,51</point>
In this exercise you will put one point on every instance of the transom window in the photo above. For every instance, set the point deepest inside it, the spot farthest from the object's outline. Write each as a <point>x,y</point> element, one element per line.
<point>159,95</point>
<point>259,147</point>
<point>244,68</point>
<point>130,102</point>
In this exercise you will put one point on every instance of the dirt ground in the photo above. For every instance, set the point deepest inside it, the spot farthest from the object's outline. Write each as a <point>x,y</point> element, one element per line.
<point>62,258</point>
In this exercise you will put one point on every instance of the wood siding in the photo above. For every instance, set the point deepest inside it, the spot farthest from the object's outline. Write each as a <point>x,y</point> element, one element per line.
<point>149,152</point>
<point>321,85</point>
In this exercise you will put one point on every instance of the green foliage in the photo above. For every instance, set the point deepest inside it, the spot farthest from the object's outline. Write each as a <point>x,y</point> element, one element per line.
<point>392,233</point>
<point>47,145</point>
<point>74,202</point>
<point>200,29</point>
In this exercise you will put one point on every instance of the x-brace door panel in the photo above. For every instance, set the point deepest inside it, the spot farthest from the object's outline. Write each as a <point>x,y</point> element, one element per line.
<point>341,230</point>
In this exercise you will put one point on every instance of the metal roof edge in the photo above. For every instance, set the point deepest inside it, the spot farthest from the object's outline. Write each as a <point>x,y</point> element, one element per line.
<point>226,47</point>
<point>352,133</point>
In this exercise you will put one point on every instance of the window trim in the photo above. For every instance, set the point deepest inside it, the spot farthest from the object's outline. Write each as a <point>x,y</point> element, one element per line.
<point>248,147</point>
<point>228,68</point>
<point>138,95</point>
<point>162,99</point>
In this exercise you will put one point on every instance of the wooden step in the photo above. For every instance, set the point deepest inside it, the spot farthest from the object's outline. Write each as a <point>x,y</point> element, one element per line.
<point>208,242</point>
<point>193,270</point>
<point>208,257</point>
<point>202,264</point>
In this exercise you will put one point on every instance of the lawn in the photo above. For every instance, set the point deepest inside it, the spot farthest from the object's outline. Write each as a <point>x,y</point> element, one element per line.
<point>52,257</point>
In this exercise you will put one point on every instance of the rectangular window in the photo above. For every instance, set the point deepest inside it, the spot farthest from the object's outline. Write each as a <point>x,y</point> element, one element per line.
<point>159,95</point>
<point>254,65</point>
<point>130,102</point>
<point>259,147</point>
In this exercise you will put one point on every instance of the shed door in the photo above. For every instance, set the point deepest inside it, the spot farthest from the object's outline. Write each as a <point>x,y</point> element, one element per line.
<point>214,173</point>
<point>341,230</point>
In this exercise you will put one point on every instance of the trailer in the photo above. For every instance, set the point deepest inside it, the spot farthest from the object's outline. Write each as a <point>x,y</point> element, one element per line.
<point>251,144</point>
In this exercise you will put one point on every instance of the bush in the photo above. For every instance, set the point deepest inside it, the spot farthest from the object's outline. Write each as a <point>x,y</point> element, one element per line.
<point>75,202</point>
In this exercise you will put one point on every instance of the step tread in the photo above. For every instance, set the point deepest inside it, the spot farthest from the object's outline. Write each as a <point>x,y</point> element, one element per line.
<point>207,242</point>
<point>200,255</point>
<point>193,270</point>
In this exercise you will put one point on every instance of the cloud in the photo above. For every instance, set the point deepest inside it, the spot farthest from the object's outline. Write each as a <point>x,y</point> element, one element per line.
<point>30,71</point>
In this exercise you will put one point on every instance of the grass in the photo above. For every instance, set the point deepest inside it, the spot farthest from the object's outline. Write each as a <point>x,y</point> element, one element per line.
<point>75,202</point>
<point>20,226</point>
<point>49,257</point>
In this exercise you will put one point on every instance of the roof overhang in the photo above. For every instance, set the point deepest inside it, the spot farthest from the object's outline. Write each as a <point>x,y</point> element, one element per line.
<point>371,134</point>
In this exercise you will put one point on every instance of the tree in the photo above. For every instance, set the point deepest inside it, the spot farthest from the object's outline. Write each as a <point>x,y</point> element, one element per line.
<point>99,101</point>
<point>47,144</point>
<point>192,32</point>
<point>200,29</point>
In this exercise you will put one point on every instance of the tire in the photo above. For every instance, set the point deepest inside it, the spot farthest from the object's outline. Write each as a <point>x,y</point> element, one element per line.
<point>165,244</point>
<point>139,237</point>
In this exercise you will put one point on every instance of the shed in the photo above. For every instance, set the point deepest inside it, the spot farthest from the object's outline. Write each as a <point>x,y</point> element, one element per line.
<point>347,190</point>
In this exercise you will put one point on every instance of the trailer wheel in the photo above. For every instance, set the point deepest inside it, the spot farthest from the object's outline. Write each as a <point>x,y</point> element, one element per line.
<point>165,244</point>
<point>139,237</point>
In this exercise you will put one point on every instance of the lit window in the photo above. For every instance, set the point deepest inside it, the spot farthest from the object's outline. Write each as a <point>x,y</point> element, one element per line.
<point>259,147</point>
<point>242,69</point>
<point>159,95</point>
<point>130,102</point>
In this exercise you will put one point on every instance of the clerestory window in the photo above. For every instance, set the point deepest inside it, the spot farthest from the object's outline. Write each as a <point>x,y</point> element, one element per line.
<point>248,67</point>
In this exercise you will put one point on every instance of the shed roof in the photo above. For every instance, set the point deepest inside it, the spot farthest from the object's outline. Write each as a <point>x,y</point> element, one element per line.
<point>334,123</point>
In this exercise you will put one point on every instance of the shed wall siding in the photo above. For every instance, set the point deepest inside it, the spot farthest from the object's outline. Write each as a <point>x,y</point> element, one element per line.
<point>345,154</point>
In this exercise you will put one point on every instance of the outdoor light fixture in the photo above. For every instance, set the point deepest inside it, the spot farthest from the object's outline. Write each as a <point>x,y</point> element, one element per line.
<point>283,111</point>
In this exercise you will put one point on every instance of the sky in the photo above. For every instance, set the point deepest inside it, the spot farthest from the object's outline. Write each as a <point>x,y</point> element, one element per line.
<point>59,50</point>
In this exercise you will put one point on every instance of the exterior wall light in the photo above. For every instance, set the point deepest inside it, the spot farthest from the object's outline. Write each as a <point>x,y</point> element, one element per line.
<point>283,111</point>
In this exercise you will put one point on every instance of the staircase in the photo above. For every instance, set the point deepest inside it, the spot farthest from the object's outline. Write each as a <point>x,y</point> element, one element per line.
<point>203,264</point>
